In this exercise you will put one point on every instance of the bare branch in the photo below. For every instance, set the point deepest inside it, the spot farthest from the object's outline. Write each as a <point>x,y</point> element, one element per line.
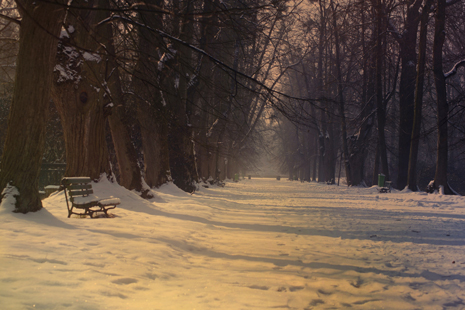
<point>269,90</point>
<point>453,71</point>
<point>11,19</point>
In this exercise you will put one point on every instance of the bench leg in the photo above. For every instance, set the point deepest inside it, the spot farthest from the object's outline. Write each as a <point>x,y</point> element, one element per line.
<point>105,209</point>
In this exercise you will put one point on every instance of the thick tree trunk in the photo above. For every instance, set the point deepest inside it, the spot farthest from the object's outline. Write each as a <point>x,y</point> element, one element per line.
<point>415,139</point>
<point>407,89</point>
<point>321,155</point>
<point>374,179</point>
<point>151,106</point>
<point>181,148</point>
<point>154,134</point>
<point>203,104</point>
<point>358,143</point>
<point>330,154</point>
<point>126,154</point>
<point>179,85</point>
<point>312,134</point>
<point>83,118</point>
<point>24,143</point>
<point>203,150</point>
<point>340,100</point>
<point>220,125</point>
<point>79,96</point>
<point>381,109</point>
<point>440,178</point>
<point>321,93</point>
<point>314,159</point>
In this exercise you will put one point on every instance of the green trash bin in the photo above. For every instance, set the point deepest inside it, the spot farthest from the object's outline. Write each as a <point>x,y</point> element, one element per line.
<point>381,178</point>
<point>236,177</point>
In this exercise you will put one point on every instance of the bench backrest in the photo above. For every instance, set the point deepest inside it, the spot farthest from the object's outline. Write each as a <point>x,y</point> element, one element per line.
<point>77,186</point>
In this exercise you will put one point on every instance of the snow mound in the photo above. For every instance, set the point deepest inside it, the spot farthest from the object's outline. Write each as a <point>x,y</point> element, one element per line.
<point>8,198</point>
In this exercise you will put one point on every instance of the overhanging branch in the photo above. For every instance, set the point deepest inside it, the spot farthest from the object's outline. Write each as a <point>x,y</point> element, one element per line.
<point>11,19</point>
<point>453,71</point>
<point>270,90</point>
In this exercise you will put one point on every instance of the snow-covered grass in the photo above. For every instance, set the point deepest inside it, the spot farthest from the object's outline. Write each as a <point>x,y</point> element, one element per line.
<point>256,244</point>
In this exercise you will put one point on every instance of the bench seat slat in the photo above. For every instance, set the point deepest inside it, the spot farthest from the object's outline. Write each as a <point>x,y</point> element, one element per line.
<point>72,180</point>
<point>88,200</point>
<point>109,201</point>
<point>79,186</point>
<point>80,192</point>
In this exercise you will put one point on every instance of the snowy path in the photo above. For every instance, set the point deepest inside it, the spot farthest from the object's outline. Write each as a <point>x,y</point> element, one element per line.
<point>256,244</point>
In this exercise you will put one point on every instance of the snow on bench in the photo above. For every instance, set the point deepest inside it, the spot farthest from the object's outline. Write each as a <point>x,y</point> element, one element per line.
<point>80,195</point>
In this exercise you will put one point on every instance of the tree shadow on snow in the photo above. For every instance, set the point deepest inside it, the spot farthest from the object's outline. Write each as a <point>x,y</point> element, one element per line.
<point>398,227</point>
<point>428,275</point>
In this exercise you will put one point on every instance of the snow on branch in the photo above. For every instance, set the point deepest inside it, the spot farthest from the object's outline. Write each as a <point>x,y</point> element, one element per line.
<point>453,71</point>
<point>393,30</point>
<point>451,2</point>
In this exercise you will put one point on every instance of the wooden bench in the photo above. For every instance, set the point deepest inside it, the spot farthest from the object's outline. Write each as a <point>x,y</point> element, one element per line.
<point>79,195</point>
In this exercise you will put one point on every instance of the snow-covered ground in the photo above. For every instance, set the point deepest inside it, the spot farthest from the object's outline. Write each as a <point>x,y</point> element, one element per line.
<point>256,244</point>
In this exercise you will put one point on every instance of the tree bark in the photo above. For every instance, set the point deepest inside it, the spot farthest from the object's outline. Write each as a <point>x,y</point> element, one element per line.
<point>79,96</point>
<point>381,109</point>
<point>201,114</point>
<point>440,178</point>
<point>24,142</point>
<point>407,88</point>
<point>415,139</point>
<point>340,100</point>
<point>358,143</point>
<point>374,179</point>
<point>322,124</point>
<point>126,154</point>
<point>151,107</point>
<point>181,85</point>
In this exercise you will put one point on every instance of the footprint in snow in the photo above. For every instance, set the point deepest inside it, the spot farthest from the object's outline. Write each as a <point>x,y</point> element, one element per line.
<point>92,244</point>
<point>362,302</point>
<point>291,288</point>
<point>258,287</point>
<point>357,283</point>
<point>112,294</point>
<point>316,302</point>
<point>324,292</point>
<point>45,260</point>
<point>124,281</point>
